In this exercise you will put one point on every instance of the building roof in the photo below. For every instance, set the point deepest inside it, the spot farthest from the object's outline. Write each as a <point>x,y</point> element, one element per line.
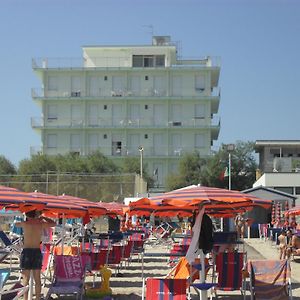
<point>262,143</point>
<point>269,190</point>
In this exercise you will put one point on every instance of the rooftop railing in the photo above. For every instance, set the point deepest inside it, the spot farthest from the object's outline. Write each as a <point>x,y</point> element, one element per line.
<point>113,62</point>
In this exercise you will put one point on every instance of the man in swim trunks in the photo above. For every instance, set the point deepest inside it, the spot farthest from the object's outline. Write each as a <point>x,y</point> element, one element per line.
<point>31,256</point>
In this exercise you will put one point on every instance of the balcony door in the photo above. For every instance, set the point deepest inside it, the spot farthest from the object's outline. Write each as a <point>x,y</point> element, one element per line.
<point>134,115</point>
<point>133,144</point>
<point>177,85</point>
<point>76,116</point>
<point>159,86</point>
<point>159,116</point>
<point>75,143</point>
<point>176,144</point>
<point>93,114</point>
<point>75,86</point>
<point>94,86</point>
<point>117,114</point>
<point>92,142</point>
<point>159,147</point>
<point>135,85</point>
<point>176,114</point>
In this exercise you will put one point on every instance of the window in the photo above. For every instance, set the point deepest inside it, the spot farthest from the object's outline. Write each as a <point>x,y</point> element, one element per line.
<point>105,136</point>
<point>297,190</point>
<point>146,77</point>
<point>51,141</point>
<point>105,107</point>
<point>52,83</point>
<point>200,82</point>
<point>137,61</point>
<point>105,78</point>
<point>146,136</point>
<point>160,61</point>
<point>199,111</point>
<point>52,112</point>
<point>285,189</point>
<point>146,106</point>
<point>148,61</point>
<point>199,140</point>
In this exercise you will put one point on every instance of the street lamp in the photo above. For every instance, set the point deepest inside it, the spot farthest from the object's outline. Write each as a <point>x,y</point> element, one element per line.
<point>230,148</point>
<point>141,149</point>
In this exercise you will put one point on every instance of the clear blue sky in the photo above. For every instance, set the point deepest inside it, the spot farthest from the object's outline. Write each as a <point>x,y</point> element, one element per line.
<point>258,42</point>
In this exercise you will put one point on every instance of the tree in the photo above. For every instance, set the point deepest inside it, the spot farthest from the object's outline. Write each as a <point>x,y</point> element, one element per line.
<point>6,167</point>
<point>132,165</point>
<point>243,167</point>
<point>190,168</point>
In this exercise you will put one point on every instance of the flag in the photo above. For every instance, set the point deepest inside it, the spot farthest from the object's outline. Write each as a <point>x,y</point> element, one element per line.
<point>224,174</point>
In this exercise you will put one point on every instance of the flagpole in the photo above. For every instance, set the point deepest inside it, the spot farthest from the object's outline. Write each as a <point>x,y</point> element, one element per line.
<point>229,171</point>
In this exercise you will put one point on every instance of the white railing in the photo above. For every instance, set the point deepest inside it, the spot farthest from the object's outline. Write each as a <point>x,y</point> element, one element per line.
<point>124,151</point>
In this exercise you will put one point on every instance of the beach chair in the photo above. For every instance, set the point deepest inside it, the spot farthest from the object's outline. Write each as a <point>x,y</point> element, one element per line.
<point>10,290</point>
<point>229,267</point>
<point>162,288</point>
<point>8,244</point>
<point>270,279</point>
<point>69,276</point>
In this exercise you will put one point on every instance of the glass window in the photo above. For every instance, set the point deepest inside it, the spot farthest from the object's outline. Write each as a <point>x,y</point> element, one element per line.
<point>200,82</point>
<point>137,61</point>
<point>52,112</point>
<point>51,141</point>
<point>52,83</point>
<point>297,190</point>
<point>285,189</point>
<point>160,60</point>
<point>199,140</point>
<point>148,61</point>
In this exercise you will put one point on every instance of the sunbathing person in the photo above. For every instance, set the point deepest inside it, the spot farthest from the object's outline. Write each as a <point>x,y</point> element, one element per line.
<point>293,244</point>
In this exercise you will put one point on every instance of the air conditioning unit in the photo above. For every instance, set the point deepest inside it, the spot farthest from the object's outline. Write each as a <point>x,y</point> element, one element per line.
<point>177,124</point>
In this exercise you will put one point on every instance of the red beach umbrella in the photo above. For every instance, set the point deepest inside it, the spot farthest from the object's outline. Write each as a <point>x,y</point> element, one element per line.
<point>114,207</point>
<point>58,208</point>
<point>14,199</point>
<point>93,208</point>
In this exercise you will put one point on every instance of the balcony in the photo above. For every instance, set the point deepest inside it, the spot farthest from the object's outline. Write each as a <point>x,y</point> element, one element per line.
<point>115,62</point>
<point>115,152</point>
<point>144,123</point>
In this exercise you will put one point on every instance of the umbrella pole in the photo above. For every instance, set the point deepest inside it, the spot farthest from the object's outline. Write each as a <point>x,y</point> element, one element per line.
<point>63,233</point>
<point>203,293</point>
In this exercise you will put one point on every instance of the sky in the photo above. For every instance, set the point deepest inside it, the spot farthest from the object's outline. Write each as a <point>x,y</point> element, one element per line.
<point>258,42</point>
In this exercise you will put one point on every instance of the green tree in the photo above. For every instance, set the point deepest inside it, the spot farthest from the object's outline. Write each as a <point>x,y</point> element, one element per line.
<point>6,166</point>
<point>243,167</point>
<point>132,165</point>
<point>189,171</point>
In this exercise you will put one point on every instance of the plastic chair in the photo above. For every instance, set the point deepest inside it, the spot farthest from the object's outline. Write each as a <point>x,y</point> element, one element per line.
<point>270,279</point>
<point>69,276</point>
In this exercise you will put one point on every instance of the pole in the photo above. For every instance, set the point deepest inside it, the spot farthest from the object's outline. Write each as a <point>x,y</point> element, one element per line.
<point>141,149</point>
<point>229,171</point>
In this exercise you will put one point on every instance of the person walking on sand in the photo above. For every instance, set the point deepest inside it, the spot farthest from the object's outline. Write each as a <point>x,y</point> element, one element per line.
<point>282,244</point>
<point>240,225</point>
<point>31,256</point>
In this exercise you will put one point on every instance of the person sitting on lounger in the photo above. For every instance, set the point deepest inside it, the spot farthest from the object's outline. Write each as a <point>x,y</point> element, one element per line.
<point>293,244</point>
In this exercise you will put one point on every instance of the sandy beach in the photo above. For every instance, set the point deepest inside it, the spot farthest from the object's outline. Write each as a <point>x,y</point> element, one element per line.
<point>128,283</point>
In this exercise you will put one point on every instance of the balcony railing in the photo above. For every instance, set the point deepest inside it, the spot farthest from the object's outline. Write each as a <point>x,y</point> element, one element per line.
<point>162,151</point>
<point>151,123</point>
<point>99,93</point>
<point>114,62</point>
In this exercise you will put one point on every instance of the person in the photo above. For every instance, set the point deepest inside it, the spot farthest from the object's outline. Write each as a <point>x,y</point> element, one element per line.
<point>31,256</point>
<point>293,244</point>
<point>282,244</point>
<point>240,225</point>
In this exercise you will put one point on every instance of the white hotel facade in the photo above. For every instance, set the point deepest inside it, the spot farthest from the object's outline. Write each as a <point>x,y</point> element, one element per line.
<point>116,99</point>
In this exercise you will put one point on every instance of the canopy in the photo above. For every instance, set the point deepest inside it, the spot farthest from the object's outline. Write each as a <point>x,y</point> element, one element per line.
<point>94,209</point>
<point>13,199</point>
<point>183,202</point>
<point>58,208</point>
<point>115,207</point>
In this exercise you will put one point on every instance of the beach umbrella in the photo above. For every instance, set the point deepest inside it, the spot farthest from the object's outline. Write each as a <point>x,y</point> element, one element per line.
<point>94,209</point>
<point>114,207</point>
<point>14,199</point>
<point>59,208</point>
<point>286,217</point>
<point>188,200</point>
<point>273,214</point>
<point>278,213</point>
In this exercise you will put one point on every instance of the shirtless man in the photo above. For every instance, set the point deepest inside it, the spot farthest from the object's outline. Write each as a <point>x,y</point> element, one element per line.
<point>293,245</point>
<point>282,245</point>
<point>31,256</point>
